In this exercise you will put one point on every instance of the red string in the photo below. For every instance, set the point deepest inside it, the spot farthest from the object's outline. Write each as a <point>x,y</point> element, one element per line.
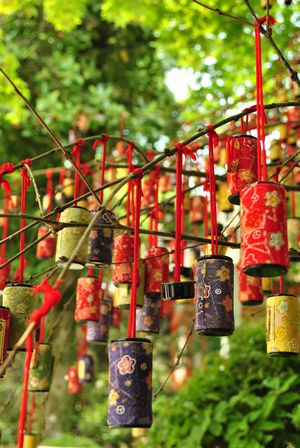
<point>7,201</point>
<point>178,210</point>
<point>103,142</point>
<point>23,407</point>
<point>293,196</point>
<point>137,182</point>
<point>129,210</point>
<point>280,285</point>
<point>25,185</point>
<point>62,173</point>
<point>76,152</point>
<point>50,189</point>
<point>213,141</point>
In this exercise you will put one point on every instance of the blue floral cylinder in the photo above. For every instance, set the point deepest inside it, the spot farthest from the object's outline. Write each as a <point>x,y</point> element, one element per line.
<point>98,331</point>
<point>101,241</point>
<point>214,296</point>
<point>130,387</point>
<point>85,369</point>
<point>148,317</point>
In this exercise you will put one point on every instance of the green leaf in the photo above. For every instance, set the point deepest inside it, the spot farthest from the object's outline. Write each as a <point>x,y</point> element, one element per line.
<point>268,425</point>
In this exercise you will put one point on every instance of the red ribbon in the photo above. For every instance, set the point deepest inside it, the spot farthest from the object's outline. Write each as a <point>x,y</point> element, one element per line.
<point>76,152</point>
<point>130,202</point>
<point>50,188</point>
<point>25,185</point>
<point>103,142</point>
<point>156,212</point>
<point>213,141</point>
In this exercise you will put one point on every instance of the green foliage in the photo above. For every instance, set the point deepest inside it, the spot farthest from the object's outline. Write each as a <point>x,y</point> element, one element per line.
<point>249,400</point>
<point>70,440</point>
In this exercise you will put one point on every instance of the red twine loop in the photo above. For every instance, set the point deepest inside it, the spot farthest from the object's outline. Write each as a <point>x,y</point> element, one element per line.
<point>213,141</point>
<point>50,188</point>
<point>264,19</point>
<point>25,185</point>
<point>130,201</point>
<point>100,141</point>
<point>27,161</point>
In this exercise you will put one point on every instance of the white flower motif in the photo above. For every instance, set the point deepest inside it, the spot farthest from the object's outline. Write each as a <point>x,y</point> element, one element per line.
<point>254,197</point>
<point>256,234</point>
<point>276,240</point>
<point>218,291</point>
<point>143,366</point>
<point>120,410</point>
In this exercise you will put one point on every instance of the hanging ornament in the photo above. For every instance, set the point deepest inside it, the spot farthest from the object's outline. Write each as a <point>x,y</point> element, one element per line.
<point>123,292</point>
<point>67,186</point>
<point>148,317</point>
<point>265,2</point>
<point>267,285</point>
<point>165,183</point>
<point>4,332</point>
<point>41,367</point>
<point>130,386</point>
<point>99,331</point>
<point>87,299</point>
<point>21,301</point>
<point>282,325</point>
<point>68,237</point>
<point>241,165</point>
<point>85,369</point>
<point>214,296</point>
<point>223,203</point>
<point>46,247</point>
<point>115,317</point>
<point>149,187</point>
<point>123,258</point>
<point>101,241</point>
<point>157,270</point>
<point>30,441</point>
<point>250,289</point>
<point>197,210</point>
<point>74,386</point>
<point>275,151</point>
<point>293,229</point>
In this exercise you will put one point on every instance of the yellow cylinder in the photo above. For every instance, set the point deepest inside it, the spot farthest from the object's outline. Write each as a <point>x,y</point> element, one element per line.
<point>267,284</point>
<point>282,131</point>
<point>282,325</point>
<point>264,3</point>
<point>84,203</point>
<point>293,226</point>
<point>292,137</point>
<point>275,151</point>
<point>223,203</point>
<point>138,432</point>
<point>123,292</point>
<point>30,441</point>
<point>68,187</point>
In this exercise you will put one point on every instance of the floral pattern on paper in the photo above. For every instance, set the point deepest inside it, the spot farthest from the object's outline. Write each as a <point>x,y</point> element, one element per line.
<point>126,365</point>
<point>273,199</point>
<point>276,240</point>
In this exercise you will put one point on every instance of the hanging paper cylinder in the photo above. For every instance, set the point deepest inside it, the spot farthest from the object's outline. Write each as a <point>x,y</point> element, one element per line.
<point>85,369</point>
<point>40,373</point>
<point>84,203</point>
<point>264,230</point>
<point>282,325</point>
<point>115,317</point>
<point>264,3</point>
<point>4,332</point>
<point>197,210</point>
<point>74,386</point>
<point>68,187</point>
<point>98,331</point>
<point>165,183</point>
<point>293,113</point>
<point>250,289</point>
<point>138,433</point>
<point>4,273</point>
<point>214,296</point>
<point>30,441</point>
<point>148,317</point>
<point>130,386</point>
<point>149,192</point>
<point>87,299</point>
<point>223,203</point>
<point>275,151</point>
<point>68,238</point>
<point>292,137</point>
<point>156,270</point>
<point>46,247</point>
<point>293,228</point>
<point>21,301</point>
<point>242,166</point>
<point>282,128</point>
<point>267,284</point>
<point>101,241</point>
<point>123,292</point>
<point>123,259</point>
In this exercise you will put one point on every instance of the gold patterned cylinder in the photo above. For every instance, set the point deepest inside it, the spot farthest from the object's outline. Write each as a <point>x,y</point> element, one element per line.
<point>267,284</point>
<point>293,228</point>
<point>87,299</point>
<point>46,247</point>
<point>68,187</point>
<point>275,151</point>
<point>22,301</point>
<point>40,373</point>
<point>223,203</point>
<point>68,238</point>
<point>282,325</point>
<point>123,294</point>
<point>30,441</point>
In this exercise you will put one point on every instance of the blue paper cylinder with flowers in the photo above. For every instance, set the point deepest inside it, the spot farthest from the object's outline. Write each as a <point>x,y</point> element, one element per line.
<point>98,331</point>
<point>85,369</point>
<point>130,387</point>
<point>101,241</point>
<point>214,296</point>
<point>148,317</point>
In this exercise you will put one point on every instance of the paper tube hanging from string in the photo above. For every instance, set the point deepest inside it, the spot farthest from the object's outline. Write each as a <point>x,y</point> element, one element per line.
<point>87,299</point>
<point>197,210</point>
<point>68,237</point>
<point>178,290</point>
<point>86,369</point>
<point>250,289</point>
<point>74,386</point>
<point>293,229</point>
<point>41,366</point>
<point>282,325</point>
<point>130,385</point>
<point>30,441</point>
<point>97,332</point>
<point>214,296</point>
<point>223,203</point>
<point>123,291</point>
<point>101,241</point>
<point>157,270</point>
<point>148,317</point>
<point>123,259</point>
<point>4,332</point>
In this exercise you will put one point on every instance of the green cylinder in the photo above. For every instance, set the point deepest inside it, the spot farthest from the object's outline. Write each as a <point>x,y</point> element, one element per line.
<point>22,301</point>
<point>68,238</point>
<point>41,368</point>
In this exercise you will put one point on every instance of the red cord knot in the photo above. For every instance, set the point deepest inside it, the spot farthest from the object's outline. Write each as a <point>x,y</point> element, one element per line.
<point>213,135</point>
<point>138,172</point>
<point>100,141</point>
<point>78,146</point>
<point>150,153</point>
<point>86,169</point>
<point>7,168</point>
<point>51,297</point>
<point>185,151</point>
<point>263,20</point>
<point>27,161</point>
<point>128,153</point>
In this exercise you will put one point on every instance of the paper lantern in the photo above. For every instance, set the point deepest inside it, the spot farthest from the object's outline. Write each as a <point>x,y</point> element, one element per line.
<point>68,238</point>
<point>264,230</point>
<point>165,183</point>
<point>4,273</point>
<point>149,192</point>
<point>223,203</point>
<point>115,317</point>
<point>156,270</point>
<point>85,369</point>
<point>74,386</point>
<point>123,259</point>
<point>101,241</point>
<point>46,247</point>
<point>250,289</point>
<point>4,332</point>
<point>275,151</point>
<point>282,325</point>
<point>87,299</point>
<point>148,317</point>
<point>130,384</point>
<point>123,292</point>
<point>30,441</point>
<point>267,284</point>
<point>21,301</point>
<point>293,228</point>
<point>98,331</point>
<point>40,373</point>
<point>68,187</point>
<point>242,168</point>
<point>214,296</point>
<point>197,210</point>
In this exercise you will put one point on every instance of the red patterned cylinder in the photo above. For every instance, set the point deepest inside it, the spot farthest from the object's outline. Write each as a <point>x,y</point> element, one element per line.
<point>197,209</point>
<point>148,197</point>
<point>4,332</point>
<point>157,270</point>
<point>87,299</point>
<point>250,289</point>
<point>264,230</point>
<point>46,247</point>
<point>242,166</point>
<point>74,386</point>
<point>4,273</point>
<point>123,259</point>
<point>116,317</point>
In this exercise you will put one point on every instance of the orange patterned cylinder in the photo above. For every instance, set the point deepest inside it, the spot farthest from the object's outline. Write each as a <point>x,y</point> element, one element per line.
<point>197,210</point>
<point>74,386</point>
<point>250,289</point>
<point>242,166</point>
<point>157,270</point>
<point>46,247</point>
<point>87,299</point>
<point>264,230</point>
<point>123,259</point>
